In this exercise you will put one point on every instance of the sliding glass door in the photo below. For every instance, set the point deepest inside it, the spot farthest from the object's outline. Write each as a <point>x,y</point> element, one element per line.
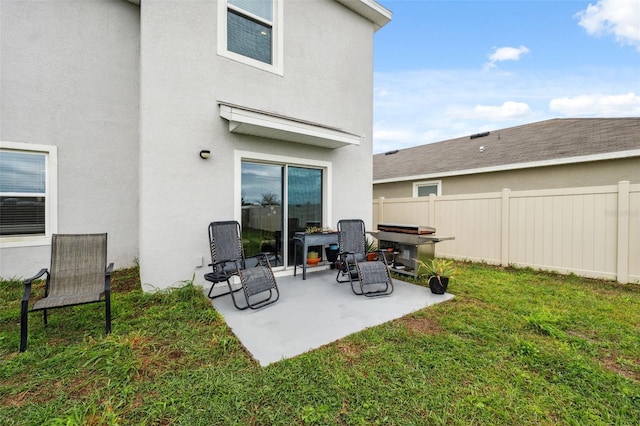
<point>274,195</point>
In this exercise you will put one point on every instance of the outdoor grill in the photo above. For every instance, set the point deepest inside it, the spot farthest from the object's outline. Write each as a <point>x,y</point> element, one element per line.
<point>403,244</point>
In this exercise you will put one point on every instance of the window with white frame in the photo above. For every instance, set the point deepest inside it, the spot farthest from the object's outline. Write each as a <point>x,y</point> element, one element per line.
<point>26,181</point>
<point>249,32</point>
<point>424,189</point>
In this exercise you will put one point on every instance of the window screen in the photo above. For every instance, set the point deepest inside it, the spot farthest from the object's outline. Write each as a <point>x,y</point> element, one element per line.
<point>247,35</point>
<point>22,193</point>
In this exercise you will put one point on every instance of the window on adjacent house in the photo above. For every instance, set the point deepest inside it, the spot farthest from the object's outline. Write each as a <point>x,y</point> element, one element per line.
<point>249,32</point>
<point>22,193</point>
<point>424,189</point>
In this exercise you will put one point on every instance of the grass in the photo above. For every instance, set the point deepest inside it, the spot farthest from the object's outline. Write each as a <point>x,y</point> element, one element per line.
<point>514,347</point>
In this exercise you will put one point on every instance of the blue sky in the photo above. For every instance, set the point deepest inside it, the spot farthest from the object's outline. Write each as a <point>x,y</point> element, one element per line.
<point>450,68</point>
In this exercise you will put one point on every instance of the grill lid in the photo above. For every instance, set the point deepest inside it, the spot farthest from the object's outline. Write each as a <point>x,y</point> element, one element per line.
<point>406,229</point>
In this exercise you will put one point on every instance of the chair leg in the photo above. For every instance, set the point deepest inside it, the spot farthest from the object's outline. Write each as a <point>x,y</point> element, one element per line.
<point>23,326</point>
<point>233,297</point>
<point>221,294</point>
<point>107,310</point>
<point>266,301</point>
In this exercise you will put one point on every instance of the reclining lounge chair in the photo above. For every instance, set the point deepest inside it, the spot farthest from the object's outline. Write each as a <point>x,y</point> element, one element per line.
<point>368,278</point>
<point>228,261</point>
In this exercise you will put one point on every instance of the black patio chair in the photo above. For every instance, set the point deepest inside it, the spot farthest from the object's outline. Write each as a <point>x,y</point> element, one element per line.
<point>228,261</point>
<point>372,277</point>
<point>78,275</point>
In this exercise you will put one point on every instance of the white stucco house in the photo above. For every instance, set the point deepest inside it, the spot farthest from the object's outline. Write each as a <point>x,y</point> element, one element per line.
<point>107,108</point>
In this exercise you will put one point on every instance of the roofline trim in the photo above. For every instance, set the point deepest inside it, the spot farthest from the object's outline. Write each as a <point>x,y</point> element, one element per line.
<point>371,10</point>
<point>556,162</point>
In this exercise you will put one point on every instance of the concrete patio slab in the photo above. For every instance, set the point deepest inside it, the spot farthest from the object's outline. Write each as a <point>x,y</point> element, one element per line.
<point>314,312</point>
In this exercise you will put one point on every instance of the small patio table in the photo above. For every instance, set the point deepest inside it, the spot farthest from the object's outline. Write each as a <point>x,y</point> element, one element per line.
<point>311,240</point>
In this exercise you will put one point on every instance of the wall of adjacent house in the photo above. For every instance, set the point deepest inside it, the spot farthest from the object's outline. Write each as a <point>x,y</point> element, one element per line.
<point>69,79</point>
<point>562,176</point>
<point>589,231</point>
<point>327,79</point>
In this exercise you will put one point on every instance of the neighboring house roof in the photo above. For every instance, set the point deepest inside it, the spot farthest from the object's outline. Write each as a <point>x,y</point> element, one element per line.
<point>550,142</point>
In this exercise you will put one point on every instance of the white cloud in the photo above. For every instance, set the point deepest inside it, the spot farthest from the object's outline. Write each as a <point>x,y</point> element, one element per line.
<point>506,111</point>
<point>627,104</point>
<point>618,17</point>
<point>505,54</point>
<point>386,134</point>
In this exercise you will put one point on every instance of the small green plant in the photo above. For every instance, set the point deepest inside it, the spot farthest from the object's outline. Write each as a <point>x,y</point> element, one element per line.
<point>370,246</point>
<point>441,268</point>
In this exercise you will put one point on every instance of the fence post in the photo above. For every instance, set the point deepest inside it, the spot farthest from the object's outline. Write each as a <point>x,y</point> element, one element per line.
<point>623,216</point>
<point>506,194</point>
<point>432,210</point>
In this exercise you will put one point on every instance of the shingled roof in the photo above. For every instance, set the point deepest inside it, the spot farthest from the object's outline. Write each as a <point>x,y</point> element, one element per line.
<point>555,141</point>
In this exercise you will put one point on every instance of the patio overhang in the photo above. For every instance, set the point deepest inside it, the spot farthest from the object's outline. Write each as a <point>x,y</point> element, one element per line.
<point>264,124</point>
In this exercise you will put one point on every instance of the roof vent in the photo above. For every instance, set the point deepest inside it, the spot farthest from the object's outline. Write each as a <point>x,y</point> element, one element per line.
<point>479,135</point>
<point>391,152</point>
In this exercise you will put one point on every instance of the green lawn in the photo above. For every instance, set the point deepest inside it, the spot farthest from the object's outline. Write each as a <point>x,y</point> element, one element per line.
<point>514,347</point>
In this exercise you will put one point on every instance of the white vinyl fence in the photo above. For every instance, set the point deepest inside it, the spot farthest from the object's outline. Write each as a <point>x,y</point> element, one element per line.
<point>591,232</point>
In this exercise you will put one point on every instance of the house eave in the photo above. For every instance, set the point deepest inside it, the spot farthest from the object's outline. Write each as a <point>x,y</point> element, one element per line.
<point>372,10</point>
<point>369,9</point>
<point>249,121</point>
<point>516,166</point>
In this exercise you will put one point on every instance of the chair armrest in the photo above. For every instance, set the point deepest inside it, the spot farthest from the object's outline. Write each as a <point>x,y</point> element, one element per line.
<point>28,281</point>
<point>36,276</point>
<point>224,262</point>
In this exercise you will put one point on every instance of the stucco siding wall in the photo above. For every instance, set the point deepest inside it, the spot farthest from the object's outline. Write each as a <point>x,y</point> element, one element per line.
<point>326,81</point>
<point>606,172</point>
<point>69,79</point>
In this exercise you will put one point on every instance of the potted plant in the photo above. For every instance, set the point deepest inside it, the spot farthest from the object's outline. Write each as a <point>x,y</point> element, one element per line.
<point>313,230</point>
<point>371,249</point>
<point>313,258</point>
<point>438,272</point>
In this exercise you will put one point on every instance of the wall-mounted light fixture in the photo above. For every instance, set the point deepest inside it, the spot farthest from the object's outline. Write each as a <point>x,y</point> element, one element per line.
<point>205,153</point>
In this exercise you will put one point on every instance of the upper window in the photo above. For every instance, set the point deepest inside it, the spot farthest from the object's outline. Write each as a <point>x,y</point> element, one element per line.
<point>249,32</point>
<point>424,189</point>
<point>25,192</point>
